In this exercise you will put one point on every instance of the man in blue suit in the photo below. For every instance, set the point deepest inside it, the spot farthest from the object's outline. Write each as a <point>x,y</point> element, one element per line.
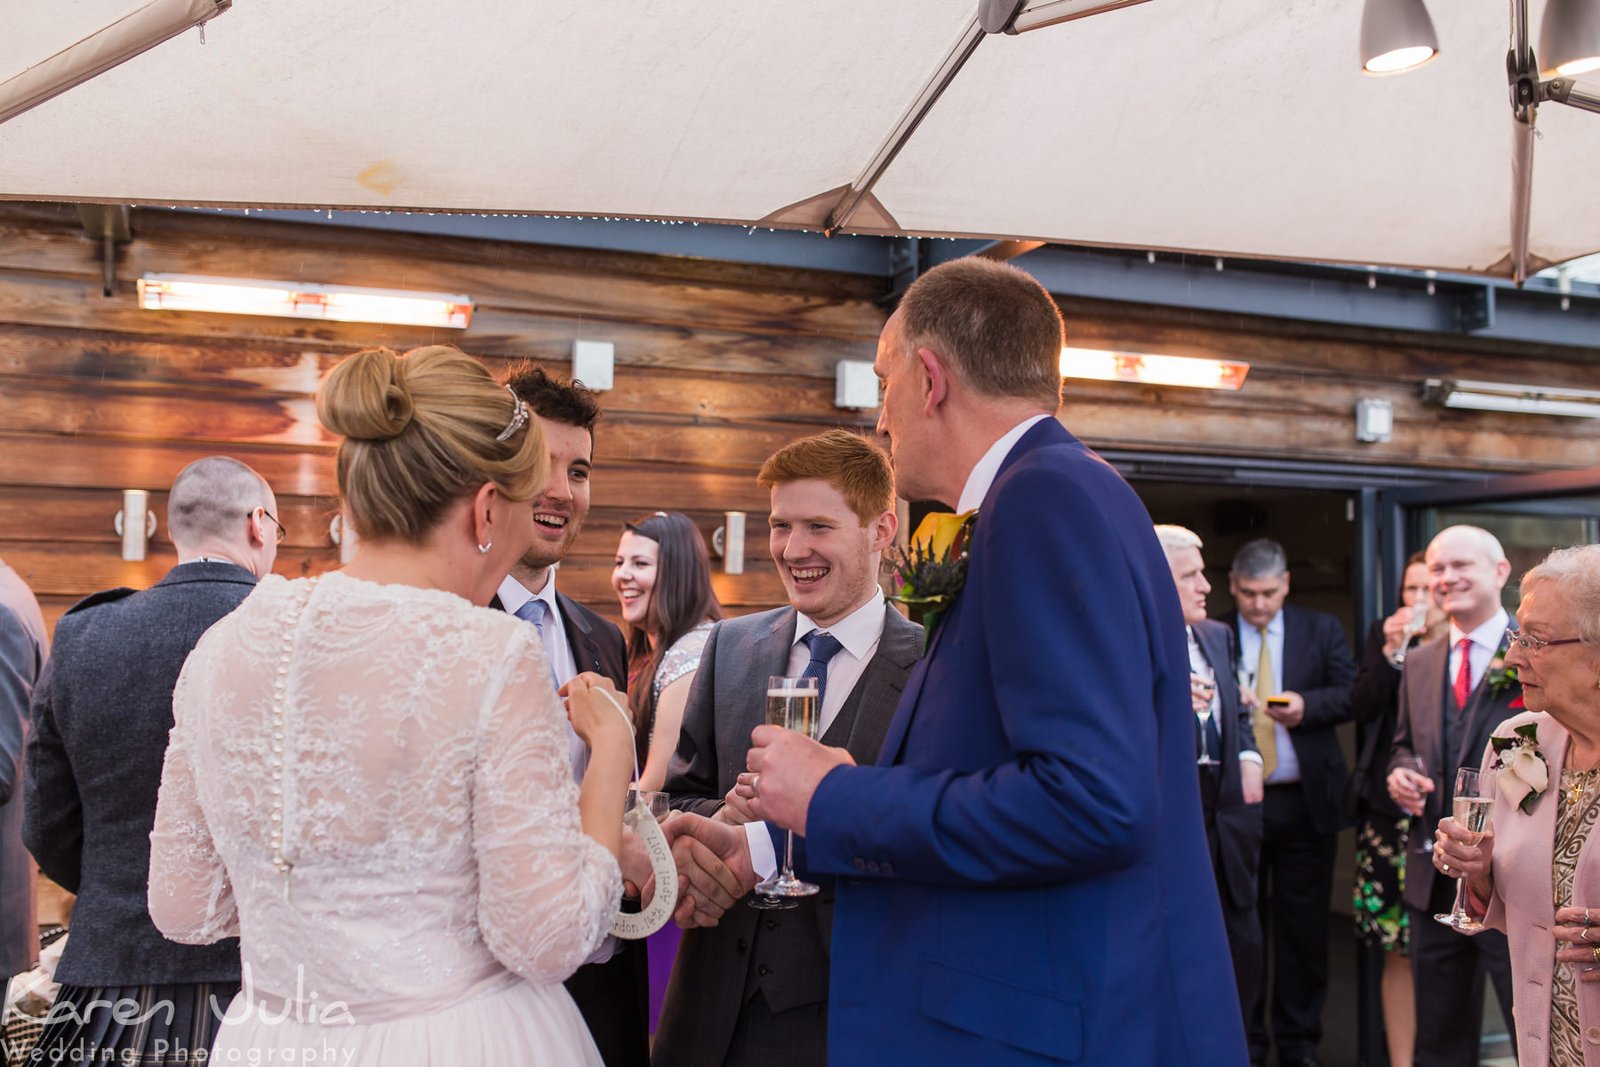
<point>1023,876</point>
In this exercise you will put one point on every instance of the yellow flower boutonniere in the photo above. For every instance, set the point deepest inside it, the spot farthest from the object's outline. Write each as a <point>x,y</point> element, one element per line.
<point>934,567</point>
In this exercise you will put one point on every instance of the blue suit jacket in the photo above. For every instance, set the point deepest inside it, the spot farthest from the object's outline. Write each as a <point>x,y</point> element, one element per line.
<point>1024,873</point>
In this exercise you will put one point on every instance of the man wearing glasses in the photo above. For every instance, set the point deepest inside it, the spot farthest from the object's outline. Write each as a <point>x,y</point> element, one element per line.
<point>1454,692</point>
<point>101,714</point>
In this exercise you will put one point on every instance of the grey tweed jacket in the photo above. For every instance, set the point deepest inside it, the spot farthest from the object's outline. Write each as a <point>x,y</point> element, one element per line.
<point>101,716</point>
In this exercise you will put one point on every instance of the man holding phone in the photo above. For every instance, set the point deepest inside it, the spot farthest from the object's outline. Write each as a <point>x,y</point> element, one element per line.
<point>1296,669</point>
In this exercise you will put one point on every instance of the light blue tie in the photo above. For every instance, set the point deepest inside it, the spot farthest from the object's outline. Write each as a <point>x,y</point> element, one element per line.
<point>537,611</point>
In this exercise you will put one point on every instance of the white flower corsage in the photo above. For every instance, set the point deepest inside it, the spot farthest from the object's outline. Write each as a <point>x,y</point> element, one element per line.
<point>1524,774</point>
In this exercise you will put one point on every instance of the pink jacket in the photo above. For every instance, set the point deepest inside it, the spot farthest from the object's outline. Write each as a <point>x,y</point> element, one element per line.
<point>1523,901</point>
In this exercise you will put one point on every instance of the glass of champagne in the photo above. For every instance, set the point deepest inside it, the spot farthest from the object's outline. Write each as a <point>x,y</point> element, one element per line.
<point>1415,623</point>
<point>1203,690</point>
<point>1474,798</point>
<point>792,704</point>
<point>653,801</point>
<point>1421,840</point>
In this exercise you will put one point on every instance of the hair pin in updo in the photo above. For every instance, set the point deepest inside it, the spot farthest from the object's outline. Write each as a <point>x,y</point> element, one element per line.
<point>519,417</point>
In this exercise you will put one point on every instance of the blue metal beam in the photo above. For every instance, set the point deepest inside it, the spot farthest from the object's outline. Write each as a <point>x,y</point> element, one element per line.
<point>1391,300</point>
<point>1381,298</point>
<point>735,244</point>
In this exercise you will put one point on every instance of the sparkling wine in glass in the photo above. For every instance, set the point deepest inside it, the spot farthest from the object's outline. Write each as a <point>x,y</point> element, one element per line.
<point>1421,840</point>
<point>1474,799</point>
<point>1203,691</point>
<point>1414,625</point>
<point>793,704</point>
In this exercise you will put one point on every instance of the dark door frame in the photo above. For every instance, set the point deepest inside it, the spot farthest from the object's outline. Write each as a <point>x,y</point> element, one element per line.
<point>1388,503</point>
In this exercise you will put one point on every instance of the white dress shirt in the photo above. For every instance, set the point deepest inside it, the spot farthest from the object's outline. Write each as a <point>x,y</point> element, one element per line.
<point>1198,664</point>
<point>1486,641</point>
<point>1288,768</point>
<point>859,632</point>
<point>983,473</point>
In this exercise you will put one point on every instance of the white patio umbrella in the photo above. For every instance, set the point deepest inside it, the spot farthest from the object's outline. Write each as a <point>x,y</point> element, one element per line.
<point>1242,128</point>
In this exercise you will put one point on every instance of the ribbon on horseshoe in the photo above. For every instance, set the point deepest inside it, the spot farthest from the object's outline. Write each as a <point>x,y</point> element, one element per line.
<point>631,926</point>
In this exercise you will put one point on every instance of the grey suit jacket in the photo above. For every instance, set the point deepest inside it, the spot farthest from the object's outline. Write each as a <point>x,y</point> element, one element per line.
<point>1425,700</point>
<point>783,954</point>
<point>23,649</point>
<point>101,716</point>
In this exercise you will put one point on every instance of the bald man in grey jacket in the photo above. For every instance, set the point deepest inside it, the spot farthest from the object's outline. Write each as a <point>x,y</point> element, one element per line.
<point>101,716</point>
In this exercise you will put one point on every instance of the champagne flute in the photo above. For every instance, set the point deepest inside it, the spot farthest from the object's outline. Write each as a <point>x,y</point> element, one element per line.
<point>653,801</point>
<point>1422,841</point>
<point>1203,684</point>
<point>1474,799</point>
<point>791,703</point>
<point>1414,625</point>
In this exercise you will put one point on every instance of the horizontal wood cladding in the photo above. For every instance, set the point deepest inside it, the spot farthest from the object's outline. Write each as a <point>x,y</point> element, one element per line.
<point>529,280</point>
<point>1305,378</point>
<point>718,365</point>
<point>55,516</point>
<point>739,595</point>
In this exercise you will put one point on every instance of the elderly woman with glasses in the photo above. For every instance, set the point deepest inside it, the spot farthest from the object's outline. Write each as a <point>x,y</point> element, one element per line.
<point>1535,874</point>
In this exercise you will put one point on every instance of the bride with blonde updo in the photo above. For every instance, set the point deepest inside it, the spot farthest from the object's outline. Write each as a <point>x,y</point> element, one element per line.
<point>368,780</point>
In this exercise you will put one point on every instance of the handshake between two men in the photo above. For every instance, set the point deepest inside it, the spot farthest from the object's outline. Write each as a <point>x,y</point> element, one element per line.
<point>713,855</point>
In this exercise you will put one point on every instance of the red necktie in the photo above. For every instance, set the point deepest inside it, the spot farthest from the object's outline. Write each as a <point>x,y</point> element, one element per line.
<point>1464,673</point>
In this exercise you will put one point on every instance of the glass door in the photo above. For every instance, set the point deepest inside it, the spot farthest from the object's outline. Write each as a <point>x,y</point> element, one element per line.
<point>1530,514</point>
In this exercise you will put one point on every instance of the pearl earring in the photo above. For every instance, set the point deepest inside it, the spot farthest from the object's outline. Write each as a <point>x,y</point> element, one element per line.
<point>485,548</point>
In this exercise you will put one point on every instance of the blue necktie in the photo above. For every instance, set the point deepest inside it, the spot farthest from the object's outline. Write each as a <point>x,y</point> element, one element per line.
<point>536,612</point>
<point>823,647</point>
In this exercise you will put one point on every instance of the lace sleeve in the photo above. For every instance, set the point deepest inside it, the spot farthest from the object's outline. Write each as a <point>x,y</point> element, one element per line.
<point>546,891</point>
<point>190,898</point>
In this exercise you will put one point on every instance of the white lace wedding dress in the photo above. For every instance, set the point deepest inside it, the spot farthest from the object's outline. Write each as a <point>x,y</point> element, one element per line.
<point>370,786</point>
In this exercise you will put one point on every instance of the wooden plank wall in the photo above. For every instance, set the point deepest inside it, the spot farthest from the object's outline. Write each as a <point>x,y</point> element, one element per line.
<point>1299,399</point>
<point>718,365</point>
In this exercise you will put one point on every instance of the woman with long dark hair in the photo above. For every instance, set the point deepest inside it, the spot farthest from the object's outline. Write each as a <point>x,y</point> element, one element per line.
<point>1383,829</point>
<point>662,579</point>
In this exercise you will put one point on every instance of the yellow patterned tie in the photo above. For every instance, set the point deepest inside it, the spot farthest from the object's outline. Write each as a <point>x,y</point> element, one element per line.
<point>1266,729</point>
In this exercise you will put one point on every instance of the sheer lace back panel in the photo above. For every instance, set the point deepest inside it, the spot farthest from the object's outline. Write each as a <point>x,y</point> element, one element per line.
<point>413,775</point>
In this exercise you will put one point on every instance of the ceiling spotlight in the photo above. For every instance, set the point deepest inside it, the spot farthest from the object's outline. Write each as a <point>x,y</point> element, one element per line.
<point>1396,36</point>
<point>1569,40</point>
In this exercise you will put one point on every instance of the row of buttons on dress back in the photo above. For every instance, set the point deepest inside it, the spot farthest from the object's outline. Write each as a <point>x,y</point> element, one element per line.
<point>280,700</point>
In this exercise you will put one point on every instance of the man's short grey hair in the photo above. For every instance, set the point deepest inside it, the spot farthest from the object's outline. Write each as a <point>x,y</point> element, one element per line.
<point>1177,538</point>
<point>210,499</point>
<point>1487,542</point>
<point>1261,558</point>
<point>1575,572</point>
